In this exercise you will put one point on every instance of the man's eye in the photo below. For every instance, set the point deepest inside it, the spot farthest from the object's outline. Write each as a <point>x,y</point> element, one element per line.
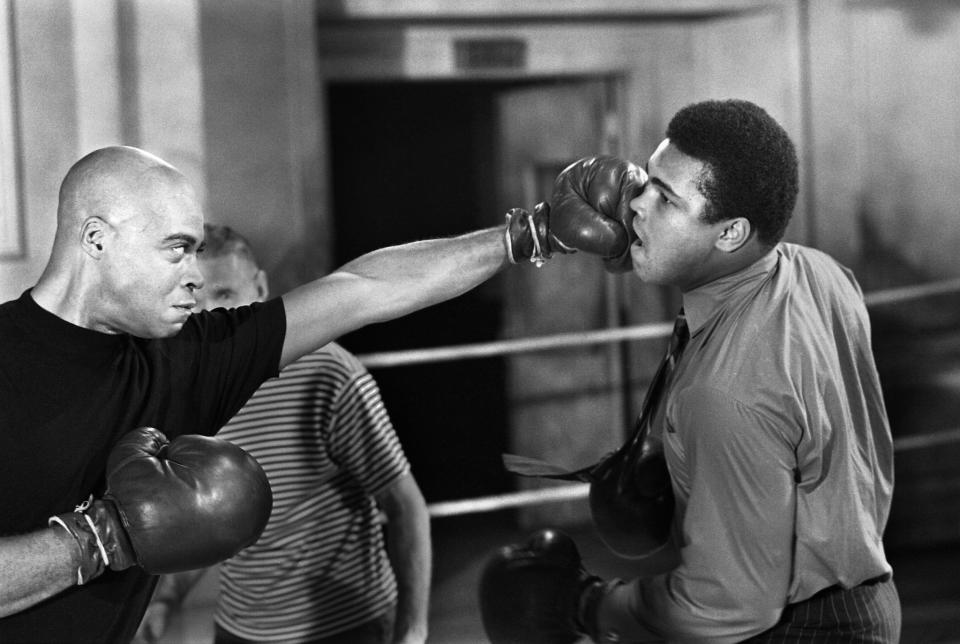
<point>178,251</point>
<point>665,199</point>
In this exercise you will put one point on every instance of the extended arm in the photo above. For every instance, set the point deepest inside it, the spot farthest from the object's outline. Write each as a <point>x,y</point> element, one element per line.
<point>591,212</point>
<point>35,566</point>
<point>409,549</point>
<point>387,284</point>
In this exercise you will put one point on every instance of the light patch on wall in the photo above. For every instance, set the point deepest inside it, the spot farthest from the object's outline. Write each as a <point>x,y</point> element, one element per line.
<point>11,225</point>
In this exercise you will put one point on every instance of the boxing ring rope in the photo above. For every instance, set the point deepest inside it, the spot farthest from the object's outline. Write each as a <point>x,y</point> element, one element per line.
<point>509,500</point>
<point>521,345</point>
<point>603,336</point>
<point>581,490</point>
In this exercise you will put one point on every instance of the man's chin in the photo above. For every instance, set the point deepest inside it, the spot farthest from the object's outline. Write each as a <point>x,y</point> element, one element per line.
<point>162,331</point>
<point>647,276</point>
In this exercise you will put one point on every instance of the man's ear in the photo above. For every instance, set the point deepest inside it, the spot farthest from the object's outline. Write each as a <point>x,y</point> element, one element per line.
<point>92,235</point>
<point>735,233</point>
<point>263,290</point>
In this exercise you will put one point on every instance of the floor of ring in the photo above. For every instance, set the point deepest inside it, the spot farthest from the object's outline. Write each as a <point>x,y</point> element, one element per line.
<point>927,580</point>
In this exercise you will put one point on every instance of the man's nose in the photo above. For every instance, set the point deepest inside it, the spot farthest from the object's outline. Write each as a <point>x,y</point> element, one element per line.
<point>641,202</point>
<point>636,205</point>
<point>193,278</point>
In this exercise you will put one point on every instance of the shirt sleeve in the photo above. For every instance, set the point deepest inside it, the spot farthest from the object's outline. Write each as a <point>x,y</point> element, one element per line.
<point>735,535</point>
<point>220,360</point>
<point>362,439</point>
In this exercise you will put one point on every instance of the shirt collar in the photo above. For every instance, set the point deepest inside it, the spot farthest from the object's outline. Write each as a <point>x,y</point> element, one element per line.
<point>701,303</point>
<point>62,335</point>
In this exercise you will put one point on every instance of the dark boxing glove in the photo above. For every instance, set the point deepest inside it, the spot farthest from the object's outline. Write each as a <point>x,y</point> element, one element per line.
<point>589,211</point>
<point>170,507</point>
<point>538,592</point>
<point>632,503</point>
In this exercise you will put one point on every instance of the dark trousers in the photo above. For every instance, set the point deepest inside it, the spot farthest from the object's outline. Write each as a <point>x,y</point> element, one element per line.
<point>868,613</point>
<point>376,631</point>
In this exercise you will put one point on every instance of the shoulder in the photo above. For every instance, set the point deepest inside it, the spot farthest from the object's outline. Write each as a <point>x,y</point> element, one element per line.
<point>220,325</point>
<point>13,310</point>
<point>818,265</point>
<point>8,313</point>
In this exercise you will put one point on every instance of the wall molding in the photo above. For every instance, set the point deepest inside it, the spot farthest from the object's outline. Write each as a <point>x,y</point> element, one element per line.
<point>11,217</point>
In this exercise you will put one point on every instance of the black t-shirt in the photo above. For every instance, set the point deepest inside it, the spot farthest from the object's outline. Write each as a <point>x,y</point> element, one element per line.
<point>68,393</point>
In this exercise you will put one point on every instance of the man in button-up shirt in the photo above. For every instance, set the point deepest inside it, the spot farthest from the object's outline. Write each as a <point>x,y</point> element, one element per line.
<point>773,423</point>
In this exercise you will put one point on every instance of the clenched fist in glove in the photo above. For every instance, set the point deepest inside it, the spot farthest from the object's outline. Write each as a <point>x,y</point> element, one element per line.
<point>538,592</point>
<point>589,211</point>
<point>170,506</point>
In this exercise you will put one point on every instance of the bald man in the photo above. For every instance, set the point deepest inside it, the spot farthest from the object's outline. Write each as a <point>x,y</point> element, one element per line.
<point>105,342</point>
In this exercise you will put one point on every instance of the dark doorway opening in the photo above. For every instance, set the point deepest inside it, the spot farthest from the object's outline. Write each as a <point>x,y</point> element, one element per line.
<point>415,160</point>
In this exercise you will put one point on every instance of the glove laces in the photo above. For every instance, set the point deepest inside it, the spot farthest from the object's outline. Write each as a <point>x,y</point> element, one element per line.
<point>536,257</point>
<point>81,509</point>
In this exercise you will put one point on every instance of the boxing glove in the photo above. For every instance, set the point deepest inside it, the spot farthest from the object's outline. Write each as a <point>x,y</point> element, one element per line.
<point>538,592</point>
<point>170,506</point>
<point>631,498</point>
<point>588,211</point>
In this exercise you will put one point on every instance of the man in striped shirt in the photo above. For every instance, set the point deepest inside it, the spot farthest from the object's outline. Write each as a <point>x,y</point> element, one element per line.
<point>322,570</point>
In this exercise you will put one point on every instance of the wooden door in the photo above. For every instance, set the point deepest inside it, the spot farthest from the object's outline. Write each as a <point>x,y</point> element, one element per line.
<point>565,405</point>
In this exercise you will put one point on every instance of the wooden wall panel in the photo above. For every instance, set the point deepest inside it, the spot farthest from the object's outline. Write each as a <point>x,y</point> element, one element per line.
<point>11,221</point>
<point>165,77</point>
<point>46,120</point>
<point>96,54</point>
<point>262,122</point>
<point>886,130</point>
<point>911,187</point>
<point>565,406</point>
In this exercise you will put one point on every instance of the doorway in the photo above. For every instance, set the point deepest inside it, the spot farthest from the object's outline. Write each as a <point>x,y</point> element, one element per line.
<point>421,159</point>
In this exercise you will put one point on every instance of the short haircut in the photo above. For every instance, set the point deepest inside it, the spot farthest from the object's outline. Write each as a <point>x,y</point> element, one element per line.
<point>223,240</point>
<point>751,163</point>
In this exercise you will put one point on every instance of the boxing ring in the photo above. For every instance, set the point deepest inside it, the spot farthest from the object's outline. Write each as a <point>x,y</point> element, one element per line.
<point>662,330</point>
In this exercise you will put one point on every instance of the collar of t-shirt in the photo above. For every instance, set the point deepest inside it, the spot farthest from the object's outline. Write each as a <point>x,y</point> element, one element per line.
<point>64,336</point>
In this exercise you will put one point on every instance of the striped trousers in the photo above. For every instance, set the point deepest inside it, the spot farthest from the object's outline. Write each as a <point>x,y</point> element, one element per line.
<point>868,613</point>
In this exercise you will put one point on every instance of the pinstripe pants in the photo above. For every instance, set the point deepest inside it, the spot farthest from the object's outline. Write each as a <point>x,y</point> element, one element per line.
<point>868,613</point>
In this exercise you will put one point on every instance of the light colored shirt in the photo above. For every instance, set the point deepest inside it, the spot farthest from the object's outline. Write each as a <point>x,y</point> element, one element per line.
<point>779,449</point>
<point>325,441</point>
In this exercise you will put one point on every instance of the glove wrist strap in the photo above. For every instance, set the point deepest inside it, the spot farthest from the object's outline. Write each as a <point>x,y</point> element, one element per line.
<point>537,255</point>
<point>592,592</point>
<point>508,238</point>
<point>92,553</point>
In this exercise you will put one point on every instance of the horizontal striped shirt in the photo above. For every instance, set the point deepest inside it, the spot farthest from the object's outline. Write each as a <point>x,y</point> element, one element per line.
<point>322,435</point>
